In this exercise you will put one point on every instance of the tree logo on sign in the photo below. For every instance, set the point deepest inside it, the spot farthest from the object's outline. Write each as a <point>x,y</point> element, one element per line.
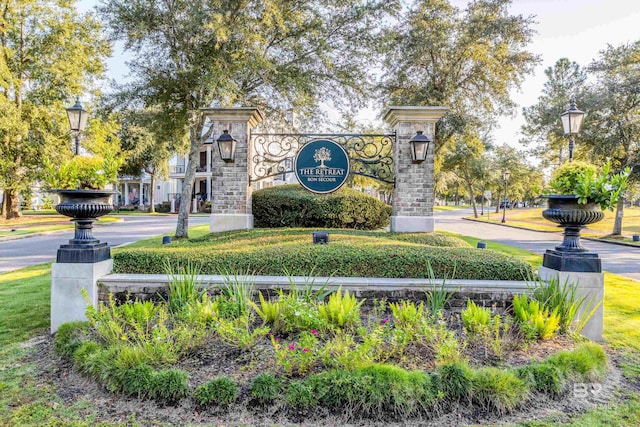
<point>322,155</point>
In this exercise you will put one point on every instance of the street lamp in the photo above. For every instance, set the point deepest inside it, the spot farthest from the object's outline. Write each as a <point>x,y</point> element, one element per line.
<point>77,116</point>
<point>505,176</point>
<point>572,122</point>
<point>226,146</point>
<point>419,147</point>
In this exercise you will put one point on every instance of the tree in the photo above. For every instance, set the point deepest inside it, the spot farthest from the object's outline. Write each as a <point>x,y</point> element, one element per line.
<point>272,54</point>
<point>469,60</point>
<point>612,125</point>
<point>48,53</point>
<point>149,145</point>
<point>464,156</point>
<point>543,128</point>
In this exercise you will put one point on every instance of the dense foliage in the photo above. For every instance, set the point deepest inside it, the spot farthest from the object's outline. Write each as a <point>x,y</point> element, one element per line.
<point>355,254</point>
<point>293,206</point>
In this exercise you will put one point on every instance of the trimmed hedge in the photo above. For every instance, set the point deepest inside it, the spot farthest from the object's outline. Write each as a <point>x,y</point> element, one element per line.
<point>292,206</point>
<point>358,255</point>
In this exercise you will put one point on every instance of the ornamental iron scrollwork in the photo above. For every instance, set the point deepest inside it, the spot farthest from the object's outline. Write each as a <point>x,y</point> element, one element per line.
<point>371,155</point>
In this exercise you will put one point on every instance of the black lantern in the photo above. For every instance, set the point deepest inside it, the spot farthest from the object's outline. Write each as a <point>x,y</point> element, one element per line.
<point>77,121</point>
<point>419,147</point>
<point>572,122</point>
<point>226,146</point>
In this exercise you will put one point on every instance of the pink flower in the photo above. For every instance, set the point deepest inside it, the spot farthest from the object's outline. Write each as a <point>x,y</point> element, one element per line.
<point>314,332</point>
<point>276,339</point>
<point>305,350</point>
<point>292,346</point>
<point>384,322</point>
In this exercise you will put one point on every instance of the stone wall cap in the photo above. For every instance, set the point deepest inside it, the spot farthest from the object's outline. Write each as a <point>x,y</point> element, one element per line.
<point>251,115</point>
<point>398,114</point>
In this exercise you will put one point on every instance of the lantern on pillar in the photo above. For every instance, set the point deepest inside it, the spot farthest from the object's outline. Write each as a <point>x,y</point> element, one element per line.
<point>226,146</point>
<point>572,122</point>
<point>419,147</point>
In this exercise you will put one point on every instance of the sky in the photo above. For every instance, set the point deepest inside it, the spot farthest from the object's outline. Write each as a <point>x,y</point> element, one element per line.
<point>575,29</point>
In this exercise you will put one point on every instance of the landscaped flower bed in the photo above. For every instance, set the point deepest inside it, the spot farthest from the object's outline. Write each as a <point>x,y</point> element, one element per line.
<point>307,351</point>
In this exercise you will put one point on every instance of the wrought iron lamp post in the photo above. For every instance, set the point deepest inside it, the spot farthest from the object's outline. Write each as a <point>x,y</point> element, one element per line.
<point>226,147</point>
<point>419,147</point>
<point>572,122</point>
<point>505,176</point>
<point>77,116</point>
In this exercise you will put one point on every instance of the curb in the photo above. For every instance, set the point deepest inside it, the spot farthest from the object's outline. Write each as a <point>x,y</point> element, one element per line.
<point>593,239</point>
<point>45,233</point>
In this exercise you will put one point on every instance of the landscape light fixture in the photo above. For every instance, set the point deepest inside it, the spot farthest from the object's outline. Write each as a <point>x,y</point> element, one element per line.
<point>572,122</point>
<point>226,146</point>
<point>77,122</point>
<point>505,176</point>
<point>419,147</point>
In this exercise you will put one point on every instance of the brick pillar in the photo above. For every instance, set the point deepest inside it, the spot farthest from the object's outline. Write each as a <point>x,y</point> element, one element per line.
<point>230,186</point>
<point>413,194</point>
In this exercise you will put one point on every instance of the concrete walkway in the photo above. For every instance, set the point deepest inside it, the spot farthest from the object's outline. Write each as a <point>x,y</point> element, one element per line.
<point>622,260</point>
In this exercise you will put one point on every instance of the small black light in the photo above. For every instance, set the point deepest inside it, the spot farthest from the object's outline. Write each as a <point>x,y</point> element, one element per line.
<point>636,238</point>
<point>321,238</point>
<point>482,245</point>
<point>166,240</point>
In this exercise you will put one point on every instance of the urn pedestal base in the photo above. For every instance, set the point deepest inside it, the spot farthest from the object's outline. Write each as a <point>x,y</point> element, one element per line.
<point>73,254</point>
<point>585,262</point>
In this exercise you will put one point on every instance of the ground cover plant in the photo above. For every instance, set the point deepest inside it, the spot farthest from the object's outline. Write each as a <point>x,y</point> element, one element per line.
<point>38,389</point>
<point>349,253</point>
<point>383,361</point>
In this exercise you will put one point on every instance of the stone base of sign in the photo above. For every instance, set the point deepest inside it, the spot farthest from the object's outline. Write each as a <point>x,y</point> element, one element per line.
<point>590,285</point>
<point>413,224</point>
<point>67,282</point>
<point>229,222</point>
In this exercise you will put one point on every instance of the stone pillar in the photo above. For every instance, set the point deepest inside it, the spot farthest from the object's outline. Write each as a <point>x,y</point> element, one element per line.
<point>231,190</point>
<point>67,282</point>
<point>413,194</point>
<point>208,189</point>
<point>591,286</point>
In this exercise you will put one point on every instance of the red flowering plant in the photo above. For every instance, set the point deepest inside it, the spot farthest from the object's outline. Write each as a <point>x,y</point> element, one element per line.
<point>297,358</point>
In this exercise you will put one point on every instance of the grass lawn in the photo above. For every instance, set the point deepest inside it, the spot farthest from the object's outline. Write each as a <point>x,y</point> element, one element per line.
<point>532,219</point>
<point>27,400</point>
<point>442,208</point>
<point>40,223</point>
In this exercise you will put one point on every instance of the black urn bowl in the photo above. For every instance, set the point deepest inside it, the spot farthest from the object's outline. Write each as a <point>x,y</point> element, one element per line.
<point>565,211</point>
<point>84,207</point>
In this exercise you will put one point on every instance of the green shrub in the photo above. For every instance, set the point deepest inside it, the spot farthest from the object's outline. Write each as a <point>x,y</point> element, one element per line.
<point>587,362</point>
<point>542,377</point>
<point>406,314</point>
<point>341,309</point>
<point>496,389</point>
<point>534,320</point>
<point>169,385</point>
<point>83,352</point>
<point>184,286</point>
<point>360,254</point>
<point>476,319</point>
<point>235,294</point>
<point>266,388</point>
<point>431,239</point>
<point>566,178</point>
<point>375,391</point>
<point>238,332</point>
<point>293,206</point>
<point>69,337</point>
<point>454,381</point>
<point>138,380</point>
<point>219,391</point>
<point>300,395</point>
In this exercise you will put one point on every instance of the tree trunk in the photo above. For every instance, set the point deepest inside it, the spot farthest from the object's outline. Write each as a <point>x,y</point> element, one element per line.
<point>12,204</point>
<point>196,141</point>
<point>473,200</point>
<point>152,192</point>
<point>617,224</point>
<point>4,202</point>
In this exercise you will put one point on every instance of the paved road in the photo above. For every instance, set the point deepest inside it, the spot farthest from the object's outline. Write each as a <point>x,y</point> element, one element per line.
<point>623,260</point>
<point>20,253</point>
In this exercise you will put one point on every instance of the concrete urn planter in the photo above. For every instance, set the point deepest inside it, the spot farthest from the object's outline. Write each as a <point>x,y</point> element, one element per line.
<point>572,216</point>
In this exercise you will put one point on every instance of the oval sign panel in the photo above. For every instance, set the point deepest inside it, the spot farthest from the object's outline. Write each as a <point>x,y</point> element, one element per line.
<point>322,166</point>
